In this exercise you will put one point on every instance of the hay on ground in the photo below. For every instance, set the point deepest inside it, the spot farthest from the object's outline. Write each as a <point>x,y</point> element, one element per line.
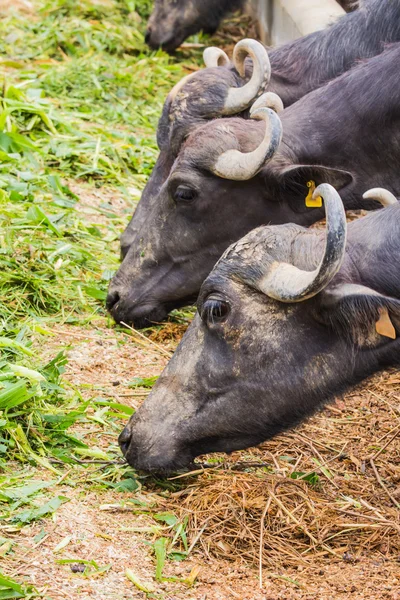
<point>330,488</point>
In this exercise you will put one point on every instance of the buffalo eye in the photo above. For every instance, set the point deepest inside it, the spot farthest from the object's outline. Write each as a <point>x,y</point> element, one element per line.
<point>184,194</point>
<point>215,310</point>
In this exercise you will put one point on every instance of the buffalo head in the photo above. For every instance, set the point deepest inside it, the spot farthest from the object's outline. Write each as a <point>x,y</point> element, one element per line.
<point>220,90</point>
<point>172,21</point>
<point>227,179</point>
<point>286,320</point>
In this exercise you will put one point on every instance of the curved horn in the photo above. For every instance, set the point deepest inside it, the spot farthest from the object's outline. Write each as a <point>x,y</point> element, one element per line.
<point>268,100</point>
<point>286,282</point>
<point>240,98</point>
<point>178,86</point>
<point>241,166</point>
<point>381,195</point>
<point>215,57</point>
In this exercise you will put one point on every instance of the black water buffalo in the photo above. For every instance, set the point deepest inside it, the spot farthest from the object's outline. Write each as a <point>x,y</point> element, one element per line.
<point>172,21</point>
<point>297,68</point>
<point>288,318</point>
<point>220,91</point>
<point>220,186</point>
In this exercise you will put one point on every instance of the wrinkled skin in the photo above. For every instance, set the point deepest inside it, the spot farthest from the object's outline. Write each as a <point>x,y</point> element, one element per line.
<point>242,375</point>
<point>175,243</point>
<point>172,21</point>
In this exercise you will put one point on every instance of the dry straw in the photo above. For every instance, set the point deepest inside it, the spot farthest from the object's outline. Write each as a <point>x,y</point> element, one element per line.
<point>330,491</point>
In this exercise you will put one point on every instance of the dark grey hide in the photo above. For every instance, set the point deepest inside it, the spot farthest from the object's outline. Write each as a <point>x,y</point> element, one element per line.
<point>249,366</point>
<point>172,21</point>
<point>346,133</point>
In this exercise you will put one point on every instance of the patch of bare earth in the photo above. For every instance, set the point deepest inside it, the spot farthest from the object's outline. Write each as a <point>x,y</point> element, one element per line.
<point>103,203</point>
<point>333,532</point>
<point>113,539</point>
<point>117,538</point>
<point>10,6</point>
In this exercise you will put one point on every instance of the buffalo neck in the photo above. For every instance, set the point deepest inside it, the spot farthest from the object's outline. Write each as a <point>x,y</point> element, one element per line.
<point>374,247</point>
<point>332,122</point>
<point>311,61</point>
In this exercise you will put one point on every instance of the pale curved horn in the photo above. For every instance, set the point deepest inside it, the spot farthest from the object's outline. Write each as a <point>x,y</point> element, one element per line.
<point>241,166</point>
<point>268,100</point>
<point>381,195</point>
<point>215,57</point>
<point>287,283</point>
<point>178,86</point>
<point>240,98</point>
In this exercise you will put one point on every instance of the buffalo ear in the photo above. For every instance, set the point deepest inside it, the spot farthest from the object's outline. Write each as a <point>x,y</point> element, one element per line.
<point>362,315</point>
<point>164,126</point>
<point>297,183</point>
<point>302,174</point>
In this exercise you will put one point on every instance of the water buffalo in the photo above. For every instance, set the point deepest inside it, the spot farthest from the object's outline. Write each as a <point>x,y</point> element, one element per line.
<point>297,68</point>
<point>172,21</point>
<point>220,186</point>
<point>221,91</point>
<point>288,318</point>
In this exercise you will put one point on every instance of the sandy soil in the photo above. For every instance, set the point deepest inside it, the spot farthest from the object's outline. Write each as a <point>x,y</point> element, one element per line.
<point>7,6</point>
<point>97,533</point>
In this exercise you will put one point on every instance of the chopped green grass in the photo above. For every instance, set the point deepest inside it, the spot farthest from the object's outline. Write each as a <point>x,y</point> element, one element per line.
<point>80,100</point>
<point>9,588</point>
<point>80,97</point>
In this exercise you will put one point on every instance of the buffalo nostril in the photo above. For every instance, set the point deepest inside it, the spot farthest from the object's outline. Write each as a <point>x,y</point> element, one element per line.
<point>112,299</point>
<point>147,36</point>
<point>124,440</point>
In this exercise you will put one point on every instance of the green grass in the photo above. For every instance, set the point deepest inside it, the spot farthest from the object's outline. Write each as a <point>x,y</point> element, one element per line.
<point>80,98</point>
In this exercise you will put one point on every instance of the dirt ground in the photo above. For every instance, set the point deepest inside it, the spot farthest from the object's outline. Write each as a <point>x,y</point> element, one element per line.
<point>97,532</point>
<point>19,5</point>
<point>102,526</point>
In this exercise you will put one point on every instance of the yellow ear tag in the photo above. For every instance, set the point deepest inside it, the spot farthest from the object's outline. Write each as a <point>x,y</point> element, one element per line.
<point>384,325</point>
<point>310,201</point>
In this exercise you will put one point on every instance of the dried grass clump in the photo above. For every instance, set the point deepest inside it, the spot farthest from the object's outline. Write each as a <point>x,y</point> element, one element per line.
<point>168,333</point>
<point>330,488</point>
<point>237,514</point>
